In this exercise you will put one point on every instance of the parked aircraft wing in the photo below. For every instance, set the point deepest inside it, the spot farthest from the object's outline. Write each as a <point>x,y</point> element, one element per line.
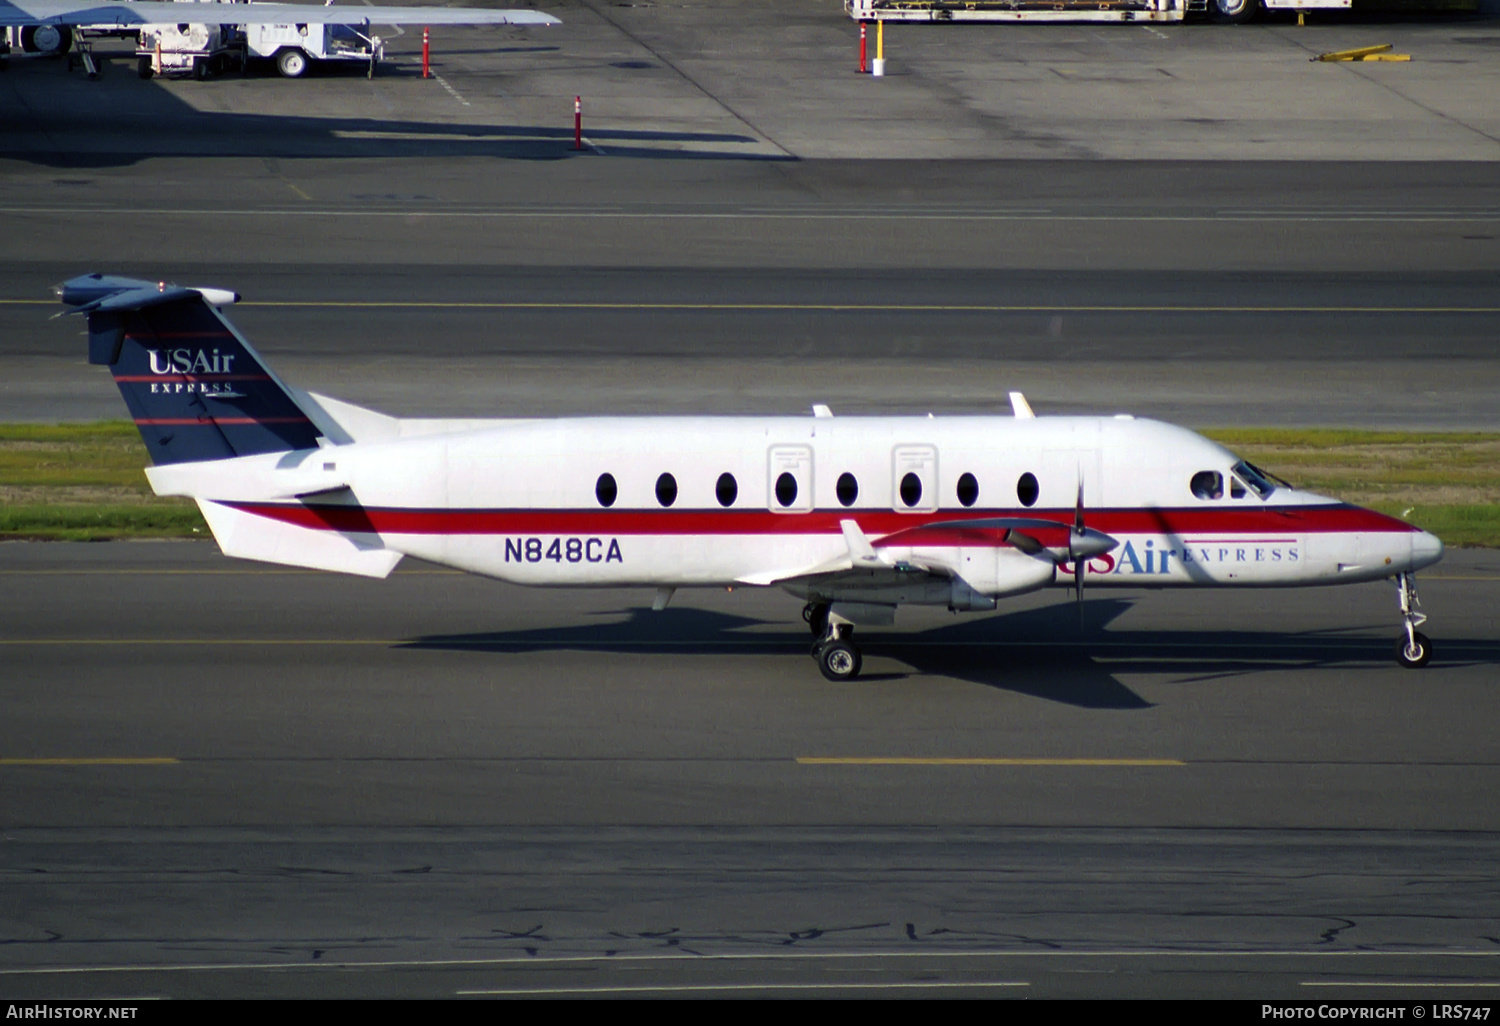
<point>153,12</point>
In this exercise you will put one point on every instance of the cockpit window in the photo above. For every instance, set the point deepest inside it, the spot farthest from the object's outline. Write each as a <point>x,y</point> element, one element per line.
<point>1254,477</point>
<point>1208,484</point>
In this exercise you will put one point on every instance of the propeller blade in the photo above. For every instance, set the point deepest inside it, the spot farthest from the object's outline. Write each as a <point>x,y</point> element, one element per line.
<point>1024,542</point>
<point>1078,568</point>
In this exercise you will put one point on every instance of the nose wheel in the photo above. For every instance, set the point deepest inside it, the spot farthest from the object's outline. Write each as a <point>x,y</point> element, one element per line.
<point>1413,648</point>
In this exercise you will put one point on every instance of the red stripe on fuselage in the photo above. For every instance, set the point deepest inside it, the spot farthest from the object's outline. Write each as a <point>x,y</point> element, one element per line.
<point>1234,522</point>
<point>179,334</point>
<point>189,377</point>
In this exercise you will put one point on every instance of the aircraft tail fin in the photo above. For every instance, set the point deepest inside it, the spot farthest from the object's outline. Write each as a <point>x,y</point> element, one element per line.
<point>195,387</point>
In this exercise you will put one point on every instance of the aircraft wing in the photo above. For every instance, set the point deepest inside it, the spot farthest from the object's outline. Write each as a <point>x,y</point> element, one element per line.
<point>153,12</point>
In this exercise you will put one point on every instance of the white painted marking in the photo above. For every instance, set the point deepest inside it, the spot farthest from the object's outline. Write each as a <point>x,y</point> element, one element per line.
<point>451,91</point>
<point>737,957</point>
<point>1155,32</point>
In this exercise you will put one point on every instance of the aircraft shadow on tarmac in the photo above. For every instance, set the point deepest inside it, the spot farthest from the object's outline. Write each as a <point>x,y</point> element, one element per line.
<point>1036,652</point>
<point>140,120</point>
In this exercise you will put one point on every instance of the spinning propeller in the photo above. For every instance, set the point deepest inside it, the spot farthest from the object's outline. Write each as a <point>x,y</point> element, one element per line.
<point>1084,543</point>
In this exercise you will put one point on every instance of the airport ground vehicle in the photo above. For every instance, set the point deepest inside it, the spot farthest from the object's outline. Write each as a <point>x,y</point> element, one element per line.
<point>204,50</point>
<point>293,34</point>
<point>855,516</point>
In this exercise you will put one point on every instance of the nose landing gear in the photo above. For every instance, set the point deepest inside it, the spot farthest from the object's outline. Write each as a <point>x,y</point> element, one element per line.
<point>1413,648</point>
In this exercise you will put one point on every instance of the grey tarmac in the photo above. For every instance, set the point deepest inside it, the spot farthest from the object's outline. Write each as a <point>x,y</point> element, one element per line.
<point>439,784</point>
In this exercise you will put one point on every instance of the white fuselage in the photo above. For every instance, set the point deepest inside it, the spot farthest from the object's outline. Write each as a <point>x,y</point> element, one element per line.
<point>522,501</point>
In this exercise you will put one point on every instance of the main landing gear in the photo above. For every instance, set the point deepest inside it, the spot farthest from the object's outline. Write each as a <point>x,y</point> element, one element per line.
<point>838,657</point>
<point>1413,648</point>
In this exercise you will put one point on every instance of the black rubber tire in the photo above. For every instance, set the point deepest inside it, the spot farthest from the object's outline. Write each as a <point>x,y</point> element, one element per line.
<point>839,661</point>
<point>143,67</point>
<point>1234,12</point>
<point>815,615</point>
<point>291,63</point>
<point>1414,660</point>
<point>201,70</point>
<point>29,43</point>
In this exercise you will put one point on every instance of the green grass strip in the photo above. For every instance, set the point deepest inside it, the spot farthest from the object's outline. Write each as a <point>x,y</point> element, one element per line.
<point>85,481</point>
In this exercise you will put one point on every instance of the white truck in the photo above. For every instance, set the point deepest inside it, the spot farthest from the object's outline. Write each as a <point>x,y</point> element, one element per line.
<point>205,50</point>
<point>1074,10</point>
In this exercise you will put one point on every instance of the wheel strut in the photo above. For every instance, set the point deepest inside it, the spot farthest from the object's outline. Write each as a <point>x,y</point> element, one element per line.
<point>1413,649</point>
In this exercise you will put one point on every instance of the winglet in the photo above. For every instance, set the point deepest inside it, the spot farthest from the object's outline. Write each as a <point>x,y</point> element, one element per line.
<point>1021,407</point>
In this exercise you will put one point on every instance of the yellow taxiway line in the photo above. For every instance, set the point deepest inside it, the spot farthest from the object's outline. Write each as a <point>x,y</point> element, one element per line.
<point>824,760</point>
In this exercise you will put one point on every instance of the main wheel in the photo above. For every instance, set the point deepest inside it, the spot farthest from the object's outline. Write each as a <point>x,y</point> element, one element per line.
<point>839,660</point>
<point>50,39</point>
<point>1235,12</point>
<point>1413,656</point>
<point>291,63</point>
<point>816,615</point>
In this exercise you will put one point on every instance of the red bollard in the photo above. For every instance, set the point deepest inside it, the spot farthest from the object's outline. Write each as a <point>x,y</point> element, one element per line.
<point>426,53</point>
<point>863,66</point>
<point>578,122</point>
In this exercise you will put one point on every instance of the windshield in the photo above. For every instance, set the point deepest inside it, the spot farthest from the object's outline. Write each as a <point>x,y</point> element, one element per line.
<point>1254,477</point>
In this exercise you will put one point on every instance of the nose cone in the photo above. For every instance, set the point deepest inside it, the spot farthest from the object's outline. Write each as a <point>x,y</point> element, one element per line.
<point>1426,549</point>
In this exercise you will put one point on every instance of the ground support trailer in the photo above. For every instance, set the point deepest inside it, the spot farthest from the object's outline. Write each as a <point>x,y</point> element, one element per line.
<point>205,50</point>
<point>1074,10</point>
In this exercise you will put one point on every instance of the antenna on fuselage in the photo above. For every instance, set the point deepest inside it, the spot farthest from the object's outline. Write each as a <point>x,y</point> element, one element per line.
<point>1020,407</point>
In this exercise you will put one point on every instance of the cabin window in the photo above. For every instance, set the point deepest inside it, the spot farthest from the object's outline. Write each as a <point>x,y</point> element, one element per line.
<point>786,489</point>
<point>1027,489</point>
<point>847,489</point>
<point>1208,484</point>
<point>1236,488</point>
<point>911,489</point>
<point>666,489</point>
<point>727,490</point>
<point>605,490</point>
<point>968,489</point>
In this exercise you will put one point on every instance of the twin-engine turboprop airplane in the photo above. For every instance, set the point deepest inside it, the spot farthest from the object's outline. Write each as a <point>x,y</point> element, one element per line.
<point>855,515</point>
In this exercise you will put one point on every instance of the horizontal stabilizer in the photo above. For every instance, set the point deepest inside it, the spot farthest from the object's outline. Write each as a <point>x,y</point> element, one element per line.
<point>252,478</point>
<point>248,536</point>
